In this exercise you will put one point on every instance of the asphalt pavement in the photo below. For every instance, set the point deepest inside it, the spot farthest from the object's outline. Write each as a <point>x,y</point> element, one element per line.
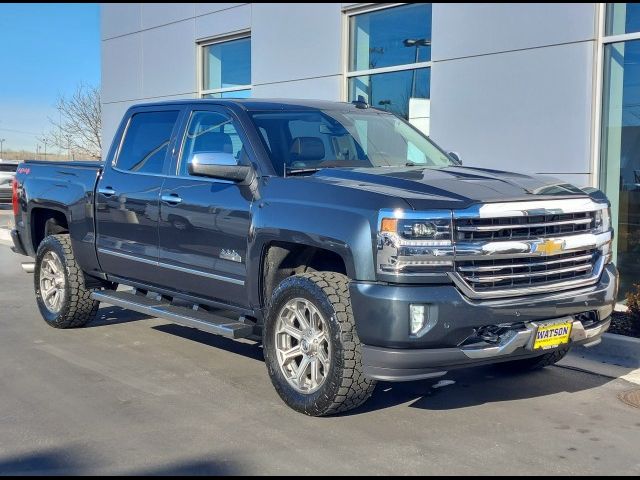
<point>134,395</point>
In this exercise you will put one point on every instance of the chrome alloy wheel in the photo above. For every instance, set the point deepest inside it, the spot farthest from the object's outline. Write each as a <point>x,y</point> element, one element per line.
<point>302,345</point>
<point>52,281</point>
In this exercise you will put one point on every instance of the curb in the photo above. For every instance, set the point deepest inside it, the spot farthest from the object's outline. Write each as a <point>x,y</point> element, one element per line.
<point>617,349</point>
<point>620,307</point>
<point>5,236</point>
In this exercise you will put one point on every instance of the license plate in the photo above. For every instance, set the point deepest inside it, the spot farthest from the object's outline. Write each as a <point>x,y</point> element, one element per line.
<point>552,335</point>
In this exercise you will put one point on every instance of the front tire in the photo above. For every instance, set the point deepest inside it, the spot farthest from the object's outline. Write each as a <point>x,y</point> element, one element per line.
<point>61,294</point>
<point>311,347</point>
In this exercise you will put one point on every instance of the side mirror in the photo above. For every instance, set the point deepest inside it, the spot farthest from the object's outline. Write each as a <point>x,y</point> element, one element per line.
<point>456,156</point>
<point>221,165</point>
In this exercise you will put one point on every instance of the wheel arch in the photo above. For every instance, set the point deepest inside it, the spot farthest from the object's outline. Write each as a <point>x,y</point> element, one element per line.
<point>45,221</point>
<point>281,259</point>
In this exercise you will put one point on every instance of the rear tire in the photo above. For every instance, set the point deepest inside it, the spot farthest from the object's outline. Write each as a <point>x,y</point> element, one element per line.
<point>535,363</point>
<point>61,294</point>
<point>324,375</point>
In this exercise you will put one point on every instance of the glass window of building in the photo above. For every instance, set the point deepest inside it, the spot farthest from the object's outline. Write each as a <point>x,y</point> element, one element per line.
<point>226,69</point>
<point>390,60</point>
<point>622,18</point>
<point>620,144</point>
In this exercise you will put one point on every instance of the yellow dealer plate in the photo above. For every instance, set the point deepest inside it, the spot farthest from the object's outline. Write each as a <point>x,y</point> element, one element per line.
<point>552,335</point>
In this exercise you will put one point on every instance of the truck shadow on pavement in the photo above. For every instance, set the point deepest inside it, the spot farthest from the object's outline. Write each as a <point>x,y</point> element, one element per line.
<point>60,461</point>
<point>114,316</point>
<point>477,386</point>
<point>109,316</point>
<point>457,389</point>
<point>247,348</point>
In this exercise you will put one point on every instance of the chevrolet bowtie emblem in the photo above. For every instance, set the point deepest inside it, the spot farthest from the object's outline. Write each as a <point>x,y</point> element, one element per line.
<point>549,247</point>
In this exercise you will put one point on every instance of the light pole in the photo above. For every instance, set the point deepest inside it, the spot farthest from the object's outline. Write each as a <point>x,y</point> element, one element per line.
<point>417,43</point>
<point>1,147</point>
<point>45,148</point>
<point>60,128</point>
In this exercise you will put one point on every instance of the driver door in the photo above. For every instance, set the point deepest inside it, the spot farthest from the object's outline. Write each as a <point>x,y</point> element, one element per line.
<point>204,222</point>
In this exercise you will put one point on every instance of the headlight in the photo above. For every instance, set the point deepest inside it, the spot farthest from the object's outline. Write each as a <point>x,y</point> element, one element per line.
<point>603,220</point>
<point>603,224</point>
<point>414,243</point>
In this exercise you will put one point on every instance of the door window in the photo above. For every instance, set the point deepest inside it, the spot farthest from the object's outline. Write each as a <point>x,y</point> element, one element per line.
<point>211,132</point>
<point>146,140</point>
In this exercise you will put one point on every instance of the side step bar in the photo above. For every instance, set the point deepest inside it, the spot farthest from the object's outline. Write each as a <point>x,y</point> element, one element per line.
<point>200,319</point>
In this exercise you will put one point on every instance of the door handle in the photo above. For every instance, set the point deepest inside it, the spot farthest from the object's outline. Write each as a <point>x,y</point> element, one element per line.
<point>171,199</point>
<point>107,191</point>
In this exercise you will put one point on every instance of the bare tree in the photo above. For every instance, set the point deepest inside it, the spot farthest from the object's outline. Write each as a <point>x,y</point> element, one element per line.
<point>78,129</point>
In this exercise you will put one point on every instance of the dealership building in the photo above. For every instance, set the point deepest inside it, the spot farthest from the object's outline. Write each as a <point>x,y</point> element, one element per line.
<point>534,88</point>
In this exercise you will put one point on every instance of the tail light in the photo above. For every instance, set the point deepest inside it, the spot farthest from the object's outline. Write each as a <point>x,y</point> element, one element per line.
<point>14,196</point>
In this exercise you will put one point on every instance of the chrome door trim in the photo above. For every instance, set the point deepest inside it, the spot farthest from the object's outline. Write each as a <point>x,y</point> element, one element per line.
<point>173,267</point>
<point>201,273</point>
<point>106,251</point>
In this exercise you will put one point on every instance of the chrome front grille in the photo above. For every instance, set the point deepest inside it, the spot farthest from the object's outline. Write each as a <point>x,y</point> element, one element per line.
<point>506,273</point>
<point>522,248</point>
<point>518,228</point>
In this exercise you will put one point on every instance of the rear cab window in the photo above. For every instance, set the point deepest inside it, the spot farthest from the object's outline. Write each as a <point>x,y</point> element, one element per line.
<point>146,140</point>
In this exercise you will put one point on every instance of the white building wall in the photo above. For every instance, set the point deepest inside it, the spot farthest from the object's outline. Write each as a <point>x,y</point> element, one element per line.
<point>511,85</point>
<point>296,50</point>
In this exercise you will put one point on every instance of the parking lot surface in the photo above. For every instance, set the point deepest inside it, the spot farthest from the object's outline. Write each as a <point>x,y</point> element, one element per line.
<point>134,395</point>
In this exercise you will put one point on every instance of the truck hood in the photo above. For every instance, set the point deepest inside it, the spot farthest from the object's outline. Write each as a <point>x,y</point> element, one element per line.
<point>451,187</point>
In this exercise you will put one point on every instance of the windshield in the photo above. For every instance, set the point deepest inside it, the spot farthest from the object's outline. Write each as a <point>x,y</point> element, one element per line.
<point>308,140</point>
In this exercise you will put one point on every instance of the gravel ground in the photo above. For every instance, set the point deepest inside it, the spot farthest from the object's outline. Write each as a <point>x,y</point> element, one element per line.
<point>623,323</point>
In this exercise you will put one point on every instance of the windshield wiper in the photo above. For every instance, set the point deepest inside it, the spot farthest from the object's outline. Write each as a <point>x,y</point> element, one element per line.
<point>301,171</point>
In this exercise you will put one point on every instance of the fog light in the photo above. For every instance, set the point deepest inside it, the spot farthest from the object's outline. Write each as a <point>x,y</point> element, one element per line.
<point>417,318</point>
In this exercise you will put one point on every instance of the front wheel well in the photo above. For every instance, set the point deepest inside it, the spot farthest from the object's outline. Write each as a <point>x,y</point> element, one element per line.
<point>282,259</point>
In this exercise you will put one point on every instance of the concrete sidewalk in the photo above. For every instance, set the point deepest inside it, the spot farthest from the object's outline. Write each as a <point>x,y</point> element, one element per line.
<point>6,224</point>
<point>616,356</point>
<point>5,236</point>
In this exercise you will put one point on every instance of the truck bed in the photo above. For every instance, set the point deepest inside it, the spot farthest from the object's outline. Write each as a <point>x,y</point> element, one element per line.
<point>66,163</point>
<point>65,190</point>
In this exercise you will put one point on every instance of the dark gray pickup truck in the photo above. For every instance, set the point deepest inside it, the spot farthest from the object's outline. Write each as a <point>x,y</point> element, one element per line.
<point>340,237</point>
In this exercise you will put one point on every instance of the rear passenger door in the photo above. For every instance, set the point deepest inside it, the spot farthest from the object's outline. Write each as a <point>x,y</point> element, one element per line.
<point>128,195</point>
<point>204,222</point>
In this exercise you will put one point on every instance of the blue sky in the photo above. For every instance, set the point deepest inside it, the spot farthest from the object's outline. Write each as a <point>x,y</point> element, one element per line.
<point>45,50</point>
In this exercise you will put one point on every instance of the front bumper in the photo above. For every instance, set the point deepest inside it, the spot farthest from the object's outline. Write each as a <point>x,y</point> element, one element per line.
<point>391,353</point>
<point>409,364</point>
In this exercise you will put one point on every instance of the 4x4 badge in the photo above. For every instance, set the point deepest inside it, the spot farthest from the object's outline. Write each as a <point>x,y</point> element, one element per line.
<point>232,255</point>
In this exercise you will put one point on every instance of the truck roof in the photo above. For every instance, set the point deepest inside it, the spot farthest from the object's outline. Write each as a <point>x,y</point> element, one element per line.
<point>251,104</point>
